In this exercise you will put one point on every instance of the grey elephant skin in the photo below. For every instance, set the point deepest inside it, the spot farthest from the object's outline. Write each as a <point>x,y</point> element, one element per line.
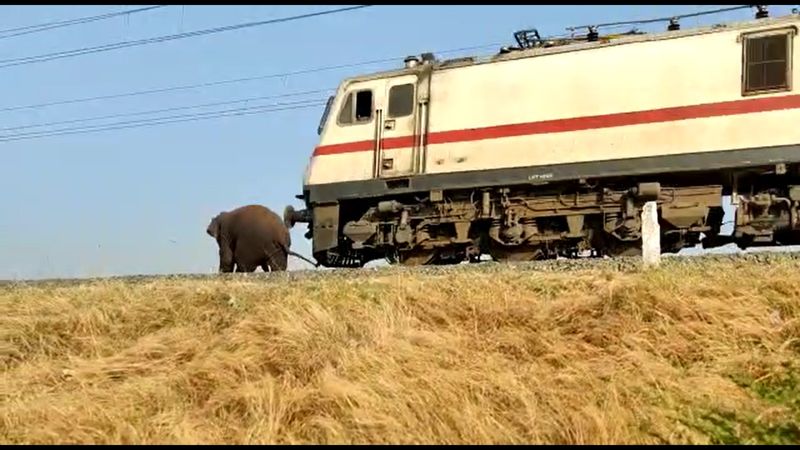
<point>249,237</point>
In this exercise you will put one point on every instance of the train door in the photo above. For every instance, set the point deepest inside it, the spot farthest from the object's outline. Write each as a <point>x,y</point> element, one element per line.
<point>358,125</point>
<point>397,152</point>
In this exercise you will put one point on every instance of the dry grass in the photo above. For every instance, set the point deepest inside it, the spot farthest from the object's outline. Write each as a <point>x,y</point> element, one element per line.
<point>683,354</point>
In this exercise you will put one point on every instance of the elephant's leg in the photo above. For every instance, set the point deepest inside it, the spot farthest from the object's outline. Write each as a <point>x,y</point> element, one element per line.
<point>281,262</point>
<point>277,258</point>
<point>246,267</point>
<point>226,263</point>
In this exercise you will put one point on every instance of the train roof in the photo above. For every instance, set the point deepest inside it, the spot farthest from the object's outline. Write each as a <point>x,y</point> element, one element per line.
<point>602,42</point>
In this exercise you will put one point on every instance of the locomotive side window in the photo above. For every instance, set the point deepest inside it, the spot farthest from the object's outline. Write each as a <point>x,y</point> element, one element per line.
<point>360,112</point>
<point>363,106</point>
<point>325,113</point>
<point>767,63</point>
<point>401,100</point>
<point>346,114</point>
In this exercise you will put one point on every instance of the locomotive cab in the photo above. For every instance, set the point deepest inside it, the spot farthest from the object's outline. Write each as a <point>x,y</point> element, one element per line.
<point>369,130</point>
<point>371,117</point>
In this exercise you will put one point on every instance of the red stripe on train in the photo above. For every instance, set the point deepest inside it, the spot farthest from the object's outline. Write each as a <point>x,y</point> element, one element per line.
<point>579,123</point>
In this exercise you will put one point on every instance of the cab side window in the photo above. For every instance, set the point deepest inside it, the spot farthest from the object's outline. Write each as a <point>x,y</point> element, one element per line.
<point>357,108</point>
<point>325,114</point>
<point>767,63</point>
<point>346,114</point>
<point>401,100</point>
<point>363,106</point>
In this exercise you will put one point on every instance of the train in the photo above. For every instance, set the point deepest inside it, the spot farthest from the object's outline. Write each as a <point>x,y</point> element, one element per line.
<point>550,148</point>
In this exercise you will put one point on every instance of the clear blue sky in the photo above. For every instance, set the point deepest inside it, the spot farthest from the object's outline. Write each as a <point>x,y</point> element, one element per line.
<point>138,200</point>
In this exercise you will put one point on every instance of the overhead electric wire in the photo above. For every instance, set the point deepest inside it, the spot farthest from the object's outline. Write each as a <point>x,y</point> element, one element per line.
<point>165,120</point>
<point>88,127</point>
<point>161,110</point>
<point>229,81</point>
<point>29,29</point>
<point>239,111</point>
<point>109,47</point>
<point>663,19</point>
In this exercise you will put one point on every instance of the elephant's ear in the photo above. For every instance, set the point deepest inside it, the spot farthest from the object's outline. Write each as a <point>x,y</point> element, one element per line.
<point>213,228</point>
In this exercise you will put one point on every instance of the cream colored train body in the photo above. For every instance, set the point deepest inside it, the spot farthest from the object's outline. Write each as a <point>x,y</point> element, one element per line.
<point>552,150</point>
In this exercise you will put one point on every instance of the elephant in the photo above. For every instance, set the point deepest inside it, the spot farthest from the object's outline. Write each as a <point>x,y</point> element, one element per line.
<point>252,236</point>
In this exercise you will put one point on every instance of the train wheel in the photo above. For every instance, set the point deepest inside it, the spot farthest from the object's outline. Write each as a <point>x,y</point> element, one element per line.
<point>417,257</point>
<point>620,249</point>
<point>516,254</point>
<point>334,259</point>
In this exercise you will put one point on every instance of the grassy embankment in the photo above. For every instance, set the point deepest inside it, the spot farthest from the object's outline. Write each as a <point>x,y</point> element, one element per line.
<point>692,352</point>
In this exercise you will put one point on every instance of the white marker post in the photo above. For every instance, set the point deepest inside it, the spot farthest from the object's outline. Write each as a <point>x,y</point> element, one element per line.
<point>651,235</point>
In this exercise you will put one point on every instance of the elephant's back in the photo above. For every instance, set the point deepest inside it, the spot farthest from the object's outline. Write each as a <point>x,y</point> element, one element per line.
<point>259,224</point>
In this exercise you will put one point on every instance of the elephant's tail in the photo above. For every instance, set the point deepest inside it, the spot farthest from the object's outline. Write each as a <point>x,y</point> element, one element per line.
<point>290,252</point>
<point>315,264</point>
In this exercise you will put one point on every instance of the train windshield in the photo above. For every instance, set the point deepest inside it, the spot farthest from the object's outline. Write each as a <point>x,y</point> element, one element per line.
<point>325,113</point>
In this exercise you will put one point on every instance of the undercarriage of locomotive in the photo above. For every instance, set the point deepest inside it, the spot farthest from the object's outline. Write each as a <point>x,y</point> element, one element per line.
<point>523,224</point>
<point>513,225</point>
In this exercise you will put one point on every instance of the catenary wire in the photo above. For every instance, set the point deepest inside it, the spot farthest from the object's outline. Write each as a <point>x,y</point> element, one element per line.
<point>663,19</point>
<point>175,108</point>
<point>184,35</point>
<point>119,45</point>
<point>287,74</point>
<point>162,121</point>
<point>247,79</point>
<point>29,29</point>
<point>87,127</point>
<point>230,81</point>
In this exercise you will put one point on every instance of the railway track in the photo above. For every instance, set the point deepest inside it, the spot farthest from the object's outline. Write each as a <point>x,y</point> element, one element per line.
<point>622,264</point>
